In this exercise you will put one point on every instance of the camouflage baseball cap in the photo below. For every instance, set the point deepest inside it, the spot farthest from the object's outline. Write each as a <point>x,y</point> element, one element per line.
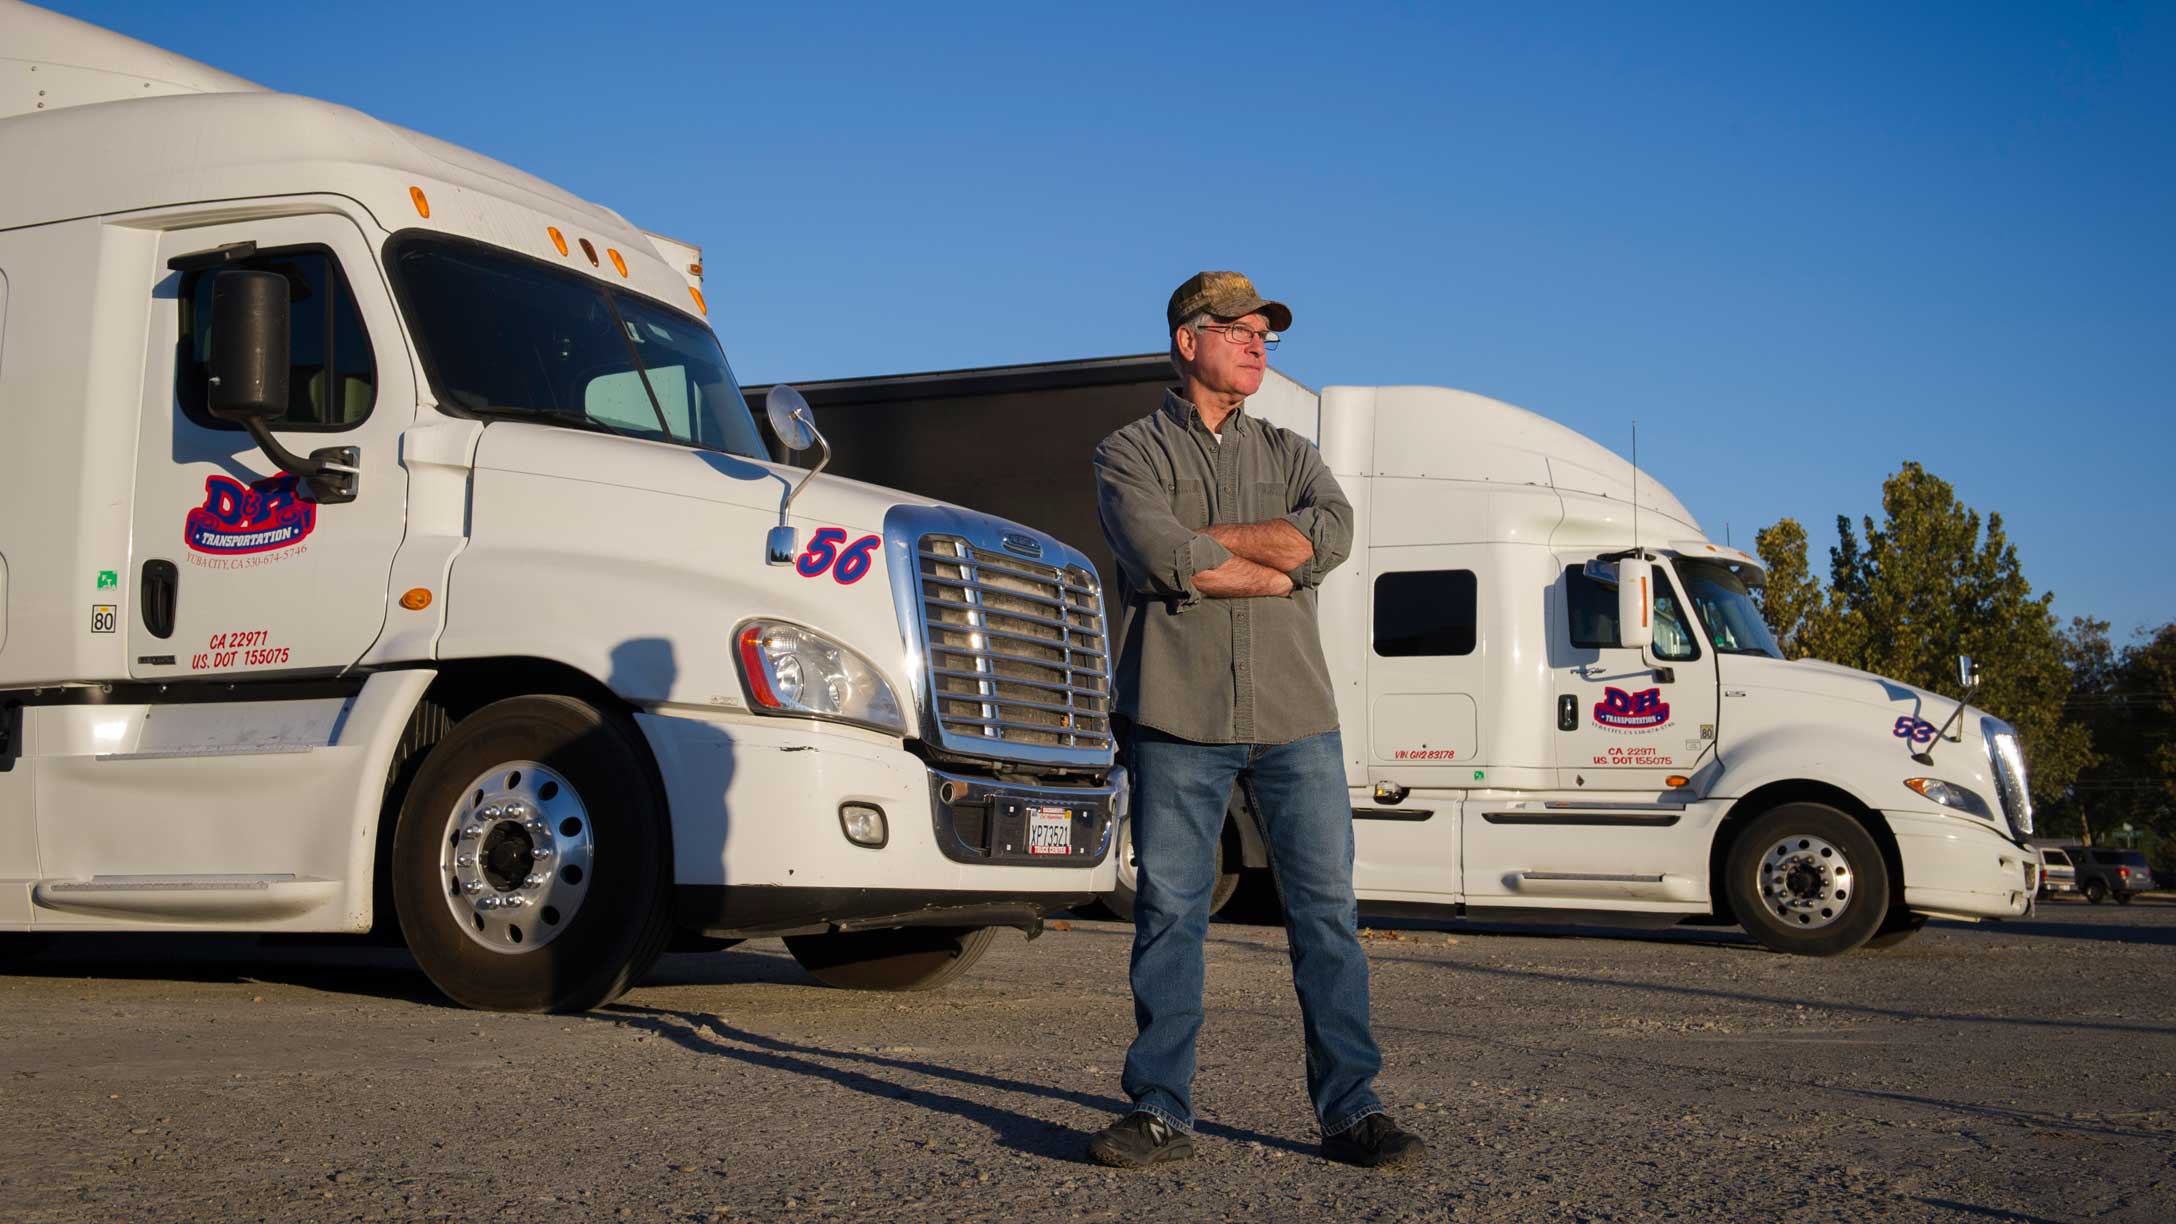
<point>1227,295</point>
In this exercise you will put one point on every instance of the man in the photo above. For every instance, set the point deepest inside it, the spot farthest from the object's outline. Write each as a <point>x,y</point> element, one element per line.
<point>1223,527</point>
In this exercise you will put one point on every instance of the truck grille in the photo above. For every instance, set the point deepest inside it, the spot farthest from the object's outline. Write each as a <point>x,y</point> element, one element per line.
<point>1017,651</point>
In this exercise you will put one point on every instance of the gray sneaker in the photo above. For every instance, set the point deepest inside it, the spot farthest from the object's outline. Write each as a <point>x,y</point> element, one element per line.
<point>1139,1140</point>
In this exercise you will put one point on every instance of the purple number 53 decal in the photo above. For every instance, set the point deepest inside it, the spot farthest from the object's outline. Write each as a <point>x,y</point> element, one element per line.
<point>846,566</point>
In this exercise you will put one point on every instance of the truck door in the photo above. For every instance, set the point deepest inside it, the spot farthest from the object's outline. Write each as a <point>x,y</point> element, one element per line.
<point>1424,725</point>
<point>1622,724</point>
<point>233,568</point>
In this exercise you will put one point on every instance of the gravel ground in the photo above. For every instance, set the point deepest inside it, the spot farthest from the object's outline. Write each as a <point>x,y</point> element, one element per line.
<point>2022,1071</point>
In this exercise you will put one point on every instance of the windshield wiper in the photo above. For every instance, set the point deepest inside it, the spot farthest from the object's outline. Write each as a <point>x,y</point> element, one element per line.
<point>582,420</point>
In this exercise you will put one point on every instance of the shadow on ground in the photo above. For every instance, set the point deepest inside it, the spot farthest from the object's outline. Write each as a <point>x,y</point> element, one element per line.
<point>707,1034</point>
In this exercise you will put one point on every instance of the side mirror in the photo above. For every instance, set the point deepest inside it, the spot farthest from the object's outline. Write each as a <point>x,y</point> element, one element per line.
<point>1968,673</point>
<point>791,418</point>
<point>245,380</point>
<point>795,424</point>
<point>1635,603</point>
<point>247,373</point>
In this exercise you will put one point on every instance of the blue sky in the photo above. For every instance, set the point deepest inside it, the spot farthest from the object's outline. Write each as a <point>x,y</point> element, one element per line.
<point>1799,245</point>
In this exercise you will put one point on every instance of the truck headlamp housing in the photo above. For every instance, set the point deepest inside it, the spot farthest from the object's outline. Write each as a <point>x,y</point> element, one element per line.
<point>1951,795</point>
<point>793,671</point>
<point>2007,759</point>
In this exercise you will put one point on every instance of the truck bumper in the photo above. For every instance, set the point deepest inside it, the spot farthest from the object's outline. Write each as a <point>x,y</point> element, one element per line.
<point>759,846</point>
<point>1957,867</point>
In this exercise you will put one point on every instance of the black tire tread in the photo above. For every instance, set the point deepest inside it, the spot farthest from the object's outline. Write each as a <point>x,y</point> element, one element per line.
<point>578,729</point>
<point>1870,901</point>
<point>896,959</point>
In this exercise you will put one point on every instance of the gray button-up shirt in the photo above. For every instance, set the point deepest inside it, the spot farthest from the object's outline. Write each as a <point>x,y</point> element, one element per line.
<point>1217,671</point>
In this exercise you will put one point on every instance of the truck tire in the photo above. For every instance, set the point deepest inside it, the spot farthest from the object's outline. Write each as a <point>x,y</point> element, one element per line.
<point>1900,925</point>
<point>903,958</point>
<point>1255,902</point>
<point>1118,903</point>
<point>2096,891</point>
<point>532,863</point>
<point>1807,879</point>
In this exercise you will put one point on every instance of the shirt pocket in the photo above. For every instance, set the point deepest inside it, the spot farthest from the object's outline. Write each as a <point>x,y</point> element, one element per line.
<point>1190,503</point>
<point>1266,501</point>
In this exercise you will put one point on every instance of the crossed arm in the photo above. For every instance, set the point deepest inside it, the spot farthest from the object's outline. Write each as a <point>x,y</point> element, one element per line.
<point>1262,556</point>
<point>1168,560</point>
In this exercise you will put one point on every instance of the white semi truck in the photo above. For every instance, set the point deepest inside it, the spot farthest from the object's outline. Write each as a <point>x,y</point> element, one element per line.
<point>382,530</point>
<point>1523,729</point>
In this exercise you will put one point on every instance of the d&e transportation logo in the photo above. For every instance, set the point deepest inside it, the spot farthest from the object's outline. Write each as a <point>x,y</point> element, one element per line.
<point>1639,711</point>
<point>236,520</point>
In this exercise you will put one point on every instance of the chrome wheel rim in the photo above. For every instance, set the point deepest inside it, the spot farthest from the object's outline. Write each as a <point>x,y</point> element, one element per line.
<point>516,859</point>
<point>1129,873</point>
<point>1805,882</point>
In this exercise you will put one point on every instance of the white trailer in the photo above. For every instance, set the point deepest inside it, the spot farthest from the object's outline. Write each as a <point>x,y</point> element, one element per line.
<point>382,530</point>
<point>1522,731</point>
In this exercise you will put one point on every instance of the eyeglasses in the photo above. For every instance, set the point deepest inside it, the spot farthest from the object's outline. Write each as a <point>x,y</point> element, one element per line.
<point>1240,333</point>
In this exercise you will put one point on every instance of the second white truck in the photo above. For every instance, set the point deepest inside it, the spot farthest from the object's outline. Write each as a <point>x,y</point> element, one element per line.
<point>1545,706</point>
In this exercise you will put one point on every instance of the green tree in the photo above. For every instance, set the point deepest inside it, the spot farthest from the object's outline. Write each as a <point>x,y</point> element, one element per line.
<point>1930,581</point>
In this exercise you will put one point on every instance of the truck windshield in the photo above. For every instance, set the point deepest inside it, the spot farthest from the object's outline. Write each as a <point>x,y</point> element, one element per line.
<point>507,336</point>
<point>1725,607</point>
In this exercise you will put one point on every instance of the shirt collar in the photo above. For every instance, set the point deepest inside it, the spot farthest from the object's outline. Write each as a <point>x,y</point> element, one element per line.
<point>1187,416</point>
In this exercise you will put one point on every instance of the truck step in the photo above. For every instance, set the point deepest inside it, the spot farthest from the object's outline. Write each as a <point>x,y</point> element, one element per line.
<point>1598,886</point>
<point>186,898</point>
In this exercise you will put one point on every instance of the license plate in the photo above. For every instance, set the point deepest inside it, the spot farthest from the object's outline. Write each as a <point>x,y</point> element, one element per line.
<point>1050,831</point>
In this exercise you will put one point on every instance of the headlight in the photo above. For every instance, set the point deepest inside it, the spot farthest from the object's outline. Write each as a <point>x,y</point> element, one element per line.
<point>1951,795</point>
<point>2007,760</point>
<point>791,670</point>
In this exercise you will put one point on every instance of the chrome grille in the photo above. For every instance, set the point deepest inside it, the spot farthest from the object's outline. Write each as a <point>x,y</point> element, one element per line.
<point>1016,649</point>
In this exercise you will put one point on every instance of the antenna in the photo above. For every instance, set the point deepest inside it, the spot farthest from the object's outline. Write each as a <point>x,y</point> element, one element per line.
<point>1636,491</point>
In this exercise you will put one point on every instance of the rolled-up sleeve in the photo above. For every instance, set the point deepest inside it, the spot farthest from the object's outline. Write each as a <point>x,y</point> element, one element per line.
<point>1321,513</point>
<point>1159,554</point>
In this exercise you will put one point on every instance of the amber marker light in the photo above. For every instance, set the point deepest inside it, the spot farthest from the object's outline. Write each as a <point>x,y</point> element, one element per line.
<point>697,294</point>
<point>617,262</point>
<point>416,600</point>
<point>695,269</point>
<point>590,251</point>
<point>558,239</point>
<point>423,203</point>
<point>1676,780</point>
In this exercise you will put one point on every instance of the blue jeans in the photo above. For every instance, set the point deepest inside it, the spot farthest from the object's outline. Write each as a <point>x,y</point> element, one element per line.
<point>1298,792</point>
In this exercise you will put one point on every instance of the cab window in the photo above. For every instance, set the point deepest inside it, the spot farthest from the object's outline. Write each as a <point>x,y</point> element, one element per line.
<point>1591,614</point>
<point>1426,612</point>
<point>332,377</point>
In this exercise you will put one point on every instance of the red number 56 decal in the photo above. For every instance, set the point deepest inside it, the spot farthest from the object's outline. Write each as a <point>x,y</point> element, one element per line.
<point>847,565</point>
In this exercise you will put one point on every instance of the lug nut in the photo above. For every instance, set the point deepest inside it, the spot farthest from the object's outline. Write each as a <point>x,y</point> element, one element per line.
<point>535,880</point>
<point>472,832</point>
<point>466,860</point>
<point>488,903</point>
<point>513,902</point>
<point>541,853</point>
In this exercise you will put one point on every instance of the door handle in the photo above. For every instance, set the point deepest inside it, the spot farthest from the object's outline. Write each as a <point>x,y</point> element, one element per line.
<point>1567,713</point>
<point>159,591</point>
